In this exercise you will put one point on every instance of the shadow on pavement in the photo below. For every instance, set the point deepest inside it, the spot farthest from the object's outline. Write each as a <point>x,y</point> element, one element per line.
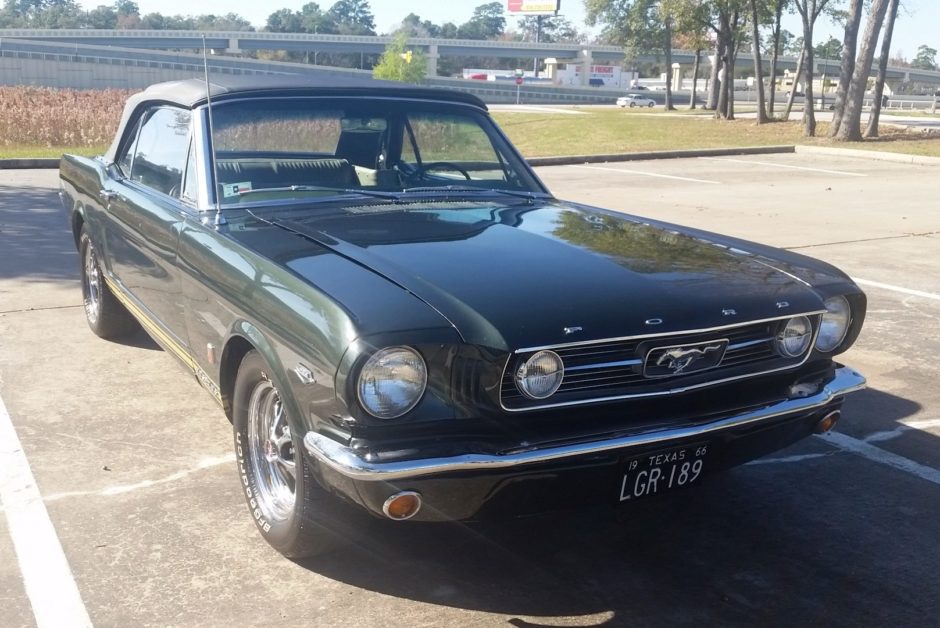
<point>35,237</point>
<point>773,544</point>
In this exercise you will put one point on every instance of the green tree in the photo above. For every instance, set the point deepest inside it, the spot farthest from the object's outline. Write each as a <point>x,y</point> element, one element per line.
<point>101,16</point>
<point>640,26</point>
<point>401,63</point>
<point>831,49</point>
<point>554,29</point>
<point>353,17</point>
<point>926,58</point>
<point>487,22</point>
<point>285,21</point>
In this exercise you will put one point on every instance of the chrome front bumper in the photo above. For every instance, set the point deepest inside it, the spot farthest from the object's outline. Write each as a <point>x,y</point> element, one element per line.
<point>349,463</point>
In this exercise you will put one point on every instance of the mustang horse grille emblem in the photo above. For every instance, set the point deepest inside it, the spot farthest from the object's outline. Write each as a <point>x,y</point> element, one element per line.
<point>676,360</point>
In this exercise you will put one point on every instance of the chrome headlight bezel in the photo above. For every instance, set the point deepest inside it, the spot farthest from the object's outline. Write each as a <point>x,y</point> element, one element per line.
<point>377,370</point>
<point>534,366</point>
<point>838,313</point>
<point>798,328</point>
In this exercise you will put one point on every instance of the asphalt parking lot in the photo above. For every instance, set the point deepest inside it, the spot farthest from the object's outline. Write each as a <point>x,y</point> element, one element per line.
<point>132,459</point>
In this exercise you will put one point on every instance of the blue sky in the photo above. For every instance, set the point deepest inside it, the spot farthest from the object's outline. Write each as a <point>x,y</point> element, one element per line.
<point>919,22</point>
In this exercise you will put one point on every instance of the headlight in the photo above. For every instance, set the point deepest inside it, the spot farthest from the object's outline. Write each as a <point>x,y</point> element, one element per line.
<point>391,382</point>
<point>835,323</point>
<point>540,376</point>
<point>793,340</point>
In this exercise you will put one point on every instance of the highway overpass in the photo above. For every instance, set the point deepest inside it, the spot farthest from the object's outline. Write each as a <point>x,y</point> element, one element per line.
<point>237,41</point>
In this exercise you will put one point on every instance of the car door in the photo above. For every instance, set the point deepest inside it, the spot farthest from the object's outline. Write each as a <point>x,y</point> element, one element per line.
<point>145,211</point>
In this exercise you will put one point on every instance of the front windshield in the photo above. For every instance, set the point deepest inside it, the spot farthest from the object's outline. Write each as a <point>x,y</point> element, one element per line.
<point>302,148</point>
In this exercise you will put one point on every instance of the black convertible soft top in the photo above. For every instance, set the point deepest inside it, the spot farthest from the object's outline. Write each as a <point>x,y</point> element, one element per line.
<point>190,93</point>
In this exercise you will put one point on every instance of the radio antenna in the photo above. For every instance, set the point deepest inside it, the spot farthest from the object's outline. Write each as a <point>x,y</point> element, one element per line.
<point>219,219</point>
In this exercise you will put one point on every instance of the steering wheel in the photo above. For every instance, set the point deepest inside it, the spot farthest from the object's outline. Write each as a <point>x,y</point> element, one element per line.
<point>440,165</point>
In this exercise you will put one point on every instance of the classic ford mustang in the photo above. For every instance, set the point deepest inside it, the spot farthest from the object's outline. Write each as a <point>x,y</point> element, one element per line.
<point>399,318</point>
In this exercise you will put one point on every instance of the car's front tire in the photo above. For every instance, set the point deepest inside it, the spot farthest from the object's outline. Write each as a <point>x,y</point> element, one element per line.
<point>632,105</point>
<point>651,105</point>
<point>106,316</point>
<point>292,512</point>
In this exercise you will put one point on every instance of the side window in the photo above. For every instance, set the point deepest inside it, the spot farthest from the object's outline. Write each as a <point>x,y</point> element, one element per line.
<point>124,161</point>
<point>161,150</point>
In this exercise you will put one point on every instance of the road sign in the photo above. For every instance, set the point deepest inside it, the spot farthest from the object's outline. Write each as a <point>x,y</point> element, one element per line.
<point>519,80</point>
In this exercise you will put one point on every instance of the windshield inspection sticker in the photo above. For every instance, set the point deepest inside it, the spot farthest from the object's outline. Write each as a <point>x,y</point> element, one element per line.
<point>234,189</point>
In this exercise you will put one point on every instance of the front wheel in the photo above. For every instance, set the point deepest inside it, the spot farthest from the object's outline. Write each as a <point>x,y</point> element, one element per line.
<point>292,512</point>
<point>651,105</point>
<point>632,105</point>
<point>106,316</point>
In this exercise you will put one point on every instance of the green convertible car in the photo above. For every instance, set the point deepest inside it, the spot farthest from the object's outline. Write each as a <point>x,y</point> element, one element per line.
<point>401,320</point>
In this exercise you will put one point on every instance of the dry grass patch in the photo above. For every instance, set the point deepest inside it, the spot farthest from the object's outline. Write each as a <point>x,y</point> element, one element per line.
<point>38,120</point>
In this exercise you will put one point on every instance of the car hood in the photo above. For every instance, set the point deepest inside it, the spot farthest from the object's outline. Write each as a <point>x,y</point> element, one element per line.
<point>527,275</point>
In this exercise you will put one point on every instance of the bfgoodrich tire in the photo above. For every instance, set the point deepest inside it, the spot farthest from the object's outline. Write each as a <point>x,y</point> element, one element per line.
<point>292,512</point>
<point>106,316</point>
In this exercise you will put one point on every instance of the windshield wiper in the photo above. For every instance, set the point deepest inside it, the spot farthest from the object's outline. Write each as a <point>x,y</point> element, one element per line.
<point>531,196</point>
<point>389,196</point>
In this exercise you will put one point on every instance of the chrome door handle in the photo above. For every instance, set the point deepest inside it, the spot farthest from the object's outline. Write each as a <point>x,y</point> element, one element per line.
<point>106,195</point>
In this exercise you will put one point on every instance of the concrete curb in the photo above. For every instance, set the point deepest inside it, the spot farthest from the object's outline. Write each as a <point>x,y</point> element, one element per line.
<point>29,163</point>
<point>568,160</point>
<point>904,158</point>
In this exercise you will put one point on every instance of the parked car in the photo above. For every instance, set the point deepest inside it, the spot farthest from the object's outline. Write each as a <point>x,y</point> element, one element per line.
<point>635,100</point>
<point>400,319</point>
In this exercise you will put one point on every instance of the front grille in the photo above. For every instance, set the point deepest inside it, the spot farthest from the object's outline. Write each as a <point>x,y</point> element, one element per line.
<point>602,370</point>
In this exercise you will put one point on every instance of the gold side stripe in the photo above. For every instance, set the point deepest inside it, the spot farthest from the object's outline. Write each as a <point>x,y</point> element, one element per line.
<point>151,326</point>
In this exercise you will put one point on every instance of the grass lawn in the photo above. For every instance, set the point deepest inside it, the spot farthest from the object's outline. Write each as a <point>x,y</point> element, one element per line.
<point>604,131</point>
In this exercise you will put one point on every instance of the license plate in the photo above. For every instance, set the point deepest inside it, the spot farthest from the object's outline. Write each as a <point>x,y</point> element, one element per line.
<point>660,471</point>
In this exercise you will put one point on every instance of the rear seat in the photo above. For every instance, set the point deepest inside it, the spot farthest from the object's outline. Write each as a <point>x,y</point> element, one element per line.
<point>279,173</point>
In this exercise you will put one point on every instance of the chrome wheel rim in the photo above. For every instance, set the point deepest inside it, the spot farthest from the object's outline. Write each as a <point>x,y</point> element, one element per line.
<point>271,452</point>
<point>92,285</point>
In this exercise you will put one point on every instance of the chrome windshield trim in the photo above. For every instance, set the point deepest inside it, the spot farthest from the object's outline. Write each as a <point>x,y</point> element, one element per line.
<point>349,463</point>
<point>683,332</point>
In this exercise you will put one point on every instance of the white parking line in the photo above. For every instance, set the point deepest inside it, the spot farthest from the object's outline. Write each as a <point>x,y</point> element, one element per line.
<point>646,174</point>
<point>776,165</point>
<point>47,577</point>
<point>908,291</point>
<point>876,454</point>
<point>121,489</point>
<point>905,426</point>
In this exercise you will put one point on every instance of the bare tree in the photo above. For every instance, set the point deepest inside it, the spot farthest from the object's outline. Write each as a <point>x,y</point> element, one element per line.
<point>810,11</point>
<point>714,82</point>
<point>758,68</point>
<point>850,128</point>
<point>667,48</point>
<point>849,46</point>
<point>872,130</point>
<point>779,5</point>
<point>801,61</point>
<point>695,67</point>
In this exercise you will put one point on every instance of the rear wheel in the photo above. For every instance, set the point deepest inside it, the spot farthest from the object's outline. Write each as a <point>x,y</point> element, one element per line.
<point>632,105</point>
<point>292,512</point>
<point>106,316</point>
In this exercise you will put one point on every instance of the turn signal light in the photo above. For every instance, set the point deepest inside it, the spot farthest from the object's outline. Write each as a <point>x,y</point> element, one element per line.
<point>403,505</point>
<point>828,422</point>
